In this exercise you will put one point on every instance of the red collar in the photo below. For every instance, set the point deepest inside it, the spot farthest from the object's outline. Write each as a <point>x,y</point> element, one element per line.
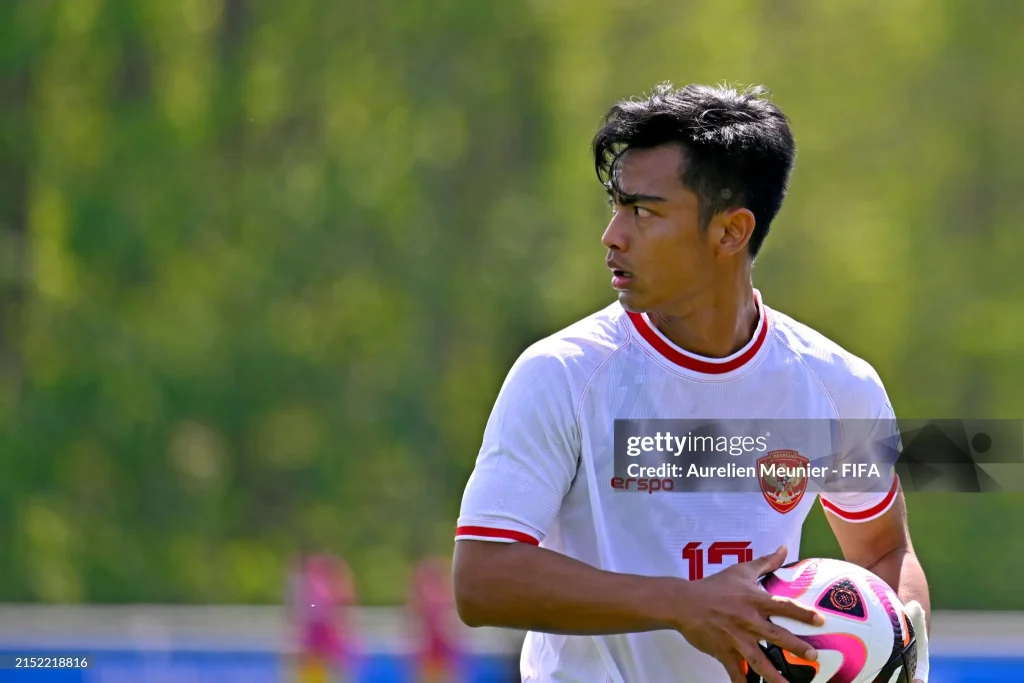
<point>692,361</point>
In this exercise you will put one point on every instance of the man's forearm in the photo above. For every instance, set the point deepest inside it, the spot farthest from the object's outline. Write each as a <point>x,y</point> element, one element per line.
<point>530,588</point>
<point>902,570</point>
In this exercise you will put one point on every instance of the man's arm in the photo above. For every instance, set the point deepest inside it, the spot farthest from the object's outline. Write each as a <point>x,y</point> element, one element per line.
<point>871,525</point>
<point>523,586</point>
<point>527,463</point>
<point>883,546</point>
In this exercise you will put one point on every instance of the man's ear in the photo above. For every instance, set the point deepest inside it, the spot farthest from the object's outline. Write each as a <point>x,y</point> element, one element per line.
<point>731,231</point>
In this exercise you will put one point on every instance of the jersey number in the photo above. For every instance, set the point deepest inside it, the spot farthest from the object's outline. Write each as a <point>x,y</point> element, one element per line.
<point>693,553</point>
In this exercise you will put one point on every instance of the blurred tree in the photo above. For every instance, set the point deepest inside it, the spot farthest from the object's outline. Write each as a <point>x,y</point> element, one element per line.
<point>264,266</point>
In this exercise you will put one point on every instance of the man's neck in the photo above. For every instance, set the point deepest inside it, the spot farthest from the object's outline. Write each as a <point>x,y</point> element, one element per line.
<point>715,323</point>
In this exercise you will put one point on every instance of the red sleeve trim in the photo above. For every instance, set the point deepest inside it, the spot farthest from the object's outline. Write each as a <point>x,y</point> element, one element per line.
<point>488,532</point>
<point>863,514</point>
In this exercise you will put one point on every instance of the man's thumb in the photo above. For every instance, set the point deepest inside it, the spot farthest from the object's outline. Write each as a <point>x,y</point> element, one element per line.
<point>769,563</point>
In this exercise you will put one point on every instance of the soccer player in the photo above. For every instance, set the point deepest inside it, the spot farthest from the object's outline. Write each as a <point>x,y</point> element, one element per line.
<point>600,577</point>
<point>321,593</point>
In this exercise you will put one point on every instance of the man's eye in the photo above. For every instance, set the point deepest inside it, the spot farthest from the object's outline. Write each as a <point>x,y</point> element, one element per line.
<point>638,211</point>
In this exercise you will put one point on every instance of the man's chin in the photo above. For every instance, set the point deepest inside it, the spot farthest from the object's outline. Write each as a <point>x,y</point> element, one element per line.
<point>632,302</point>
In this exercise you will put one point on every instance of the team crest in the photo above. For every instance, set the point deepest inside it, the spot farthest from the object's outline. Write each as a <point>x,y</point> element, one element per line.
<point>782,483</point>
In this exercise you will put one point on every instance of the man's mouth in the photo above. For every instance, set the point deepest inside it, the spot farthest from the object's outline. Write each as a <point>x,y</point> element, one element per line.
<point>621,279</point>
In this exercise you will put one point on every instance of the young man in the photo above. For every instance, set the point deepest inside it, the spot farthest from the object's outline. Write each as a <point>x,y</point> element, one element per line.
<point>601,578</point>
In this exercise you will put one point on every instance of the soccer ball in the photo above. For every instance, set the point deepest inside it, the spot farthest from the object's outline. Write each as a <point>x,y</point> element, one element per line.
<point>866,638</point>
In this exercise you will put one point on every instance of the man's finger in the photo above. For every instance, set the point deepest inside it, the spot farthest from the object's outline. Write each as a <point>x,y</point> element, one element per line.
<point>773,605</point>
<point>766,564</point>
<point>758,662</point>
<point>774,633</point>
<point>736,670</point>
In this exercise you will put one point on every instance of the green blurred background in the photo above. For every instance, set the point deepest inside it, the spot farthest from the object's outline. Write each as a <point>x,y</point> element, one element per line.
<point>264,265</point>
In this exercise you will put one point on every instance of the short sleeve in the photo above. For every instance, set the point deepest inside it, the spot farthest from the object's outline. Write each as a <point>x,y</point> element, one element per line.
<point>866,484</point>
<point>528,458</point>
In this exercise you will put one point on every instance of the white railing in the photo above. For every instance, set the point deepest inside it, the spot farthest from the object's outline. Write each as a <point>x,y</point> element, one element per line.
<point>264,629</point>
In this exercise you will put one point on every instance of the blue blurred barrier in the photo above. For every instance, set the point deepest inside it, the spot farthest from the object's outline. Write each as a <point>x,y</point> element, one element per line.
<point>151,644</point>
<point>267,667</point>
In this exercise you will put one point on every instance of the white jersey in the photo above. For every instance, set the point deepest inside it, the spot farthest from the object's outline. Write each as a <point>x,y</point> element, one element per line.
<point>545,473</point>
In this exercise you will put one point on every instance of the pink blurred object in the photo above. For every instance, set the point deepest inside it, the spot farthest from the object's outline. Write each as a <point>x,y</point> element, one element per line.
<point>322,593</point>
<point>431,604</point>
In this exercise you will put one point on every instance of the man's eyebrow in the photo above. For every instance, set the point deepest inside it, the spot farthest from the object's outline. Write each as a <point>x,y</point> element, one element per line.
<point>627,199</point>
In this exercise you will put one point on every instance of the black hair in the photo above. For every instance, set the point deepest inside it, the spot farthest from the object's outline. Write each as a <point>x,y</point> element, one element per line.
<point>738,146</point>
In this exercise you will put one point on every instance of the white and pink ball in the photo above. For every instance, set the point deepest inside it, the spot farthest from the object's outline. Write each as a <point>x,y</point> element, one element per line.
<point>866,637</point>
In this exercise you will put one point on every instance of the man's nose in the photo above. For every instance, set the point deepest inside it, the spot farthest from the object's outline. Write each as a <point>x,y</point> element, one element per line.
<point>616,235</point>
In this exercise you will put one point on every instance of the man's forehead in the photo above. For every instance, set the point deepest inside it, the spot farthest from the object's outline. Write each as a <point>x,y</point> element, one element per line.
<point>640,171</point>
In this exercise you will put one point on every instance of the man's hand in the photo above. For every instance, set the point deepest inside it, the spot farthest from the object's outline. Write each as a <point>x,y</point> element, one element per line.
<point>727,615</point>
<point>916,614</point>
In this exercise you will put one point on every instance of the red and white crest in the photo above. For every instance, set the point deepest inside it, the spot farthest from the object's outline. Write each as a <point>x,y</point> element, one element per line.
<point>783,477</point>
